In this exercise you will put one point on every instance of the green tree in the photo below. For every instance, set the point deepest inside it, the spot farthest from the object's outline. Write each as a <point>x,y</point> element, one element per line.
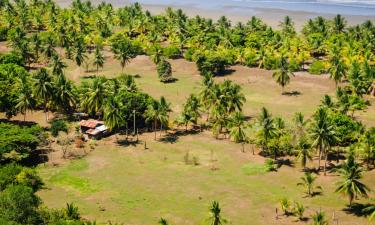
<point>303,151</point>
<point>237,124</point>
<point>43,88</point>
<point>98,59</point>
<point>282,75</point>
<point>350,185</point>
<point>319,218</point>
<point>26,99</point>
<point>308,181</point>
<point>124,51</point>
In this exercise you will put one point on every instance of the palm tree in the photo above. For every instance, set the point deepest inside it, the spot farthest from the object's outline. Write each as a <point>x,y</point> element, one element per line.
<point>350,185</point>
<point>165,109</point>
<point>49,48</point>
<point>267,129</point>
<point>339,24</point>
<point>215,218</point>
<point>43,88</point>
<point>308,182</point>
<point>98,59</point>
<point>64,96</point>
<point>299,210</point>
<point>124,51</point>
<point>282,75</point>
<point>113,115</point>
<point>80,55</point>
<point>337,70</point>
<point>93,96</point>
<point>237,126</point>
<point>58,65</point>
<point>152,114</point>
<point>319,218</point>
<point>323,134</point>
<point>303,151</point>
<point>25,100</point>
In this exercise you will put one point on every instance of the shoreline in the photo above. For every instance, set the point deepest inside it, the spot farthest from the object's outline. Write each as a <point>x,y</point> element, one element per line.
<point>271,16</point>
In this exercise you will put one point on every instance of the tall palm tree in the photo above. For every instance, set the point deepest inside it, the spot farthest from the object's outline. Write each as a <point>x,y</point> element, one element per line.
<point>93,96</point>
<point>152,114</point>
<point>124,52</point>
<point>323,134</point>
<point>80,55</point>
<point>113,116</point>
<point>64,96</point>
<point>267,128</point>
<point>350,185</point>
<point>338,69</point>
<point>308,181</point>
<point>303,151</point>
<point>237,126</point>
<point>43,88</point>
<point>58,65</point>
<point>215,218</point>
<point>98,59</point>
<point>25,100</point>
<point>165,109</point>
<point>282,75</point>
<point>339,24</point>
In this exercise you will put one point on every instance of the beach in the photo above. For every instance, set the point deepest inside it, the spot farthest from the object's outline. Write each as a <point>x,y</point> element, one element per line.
<point>271,12</point>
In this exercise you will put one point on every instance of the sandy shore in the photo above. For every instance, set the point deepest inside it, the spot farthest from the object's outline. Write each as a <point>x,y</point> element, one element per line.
<point>270,16</point>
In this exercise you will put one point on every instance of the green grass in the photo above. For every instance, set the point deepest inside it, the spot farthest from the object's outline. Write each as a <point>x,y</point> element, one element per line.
<point>137,186</point>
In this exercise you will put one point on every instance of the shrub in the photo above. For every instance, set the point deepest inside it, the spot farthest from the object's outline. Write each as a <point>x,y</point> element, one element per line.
<point>171,52</point>
<point>214,64</point>
<point>11,58</point>
<point>189,53</point>
<point>19,204</point>
<point>164,69</point>
<point>3,33</point>
<point>57,126</point>
<point>294,66</point>
<point>318,67</point>
<point>270,165</point>
<point>15,174</point>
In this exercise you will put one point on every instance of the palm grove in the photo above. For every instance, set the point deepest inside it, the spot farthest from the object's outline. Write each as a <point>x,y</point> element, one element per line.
<point>42,33</point>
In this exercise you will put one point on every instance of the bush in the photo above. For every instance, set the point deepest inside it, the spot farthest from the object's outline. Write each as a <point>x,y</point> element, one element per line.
<point>12,58</point>
<point>294,66</point>
<point>164,69</point>
<point>318,67</point>
<point>3,33</point>
<point>270,165</point>
<point>189,53</point>
<point>15,174</point>
<point>171,52</point>
<point>214,64</point>
<point>19,204</point>
<point>57,126</point>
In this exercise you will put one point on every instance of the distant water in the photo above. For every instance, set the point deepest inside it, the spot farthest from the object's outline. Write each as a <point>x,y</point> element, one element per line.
<point>345,7</point>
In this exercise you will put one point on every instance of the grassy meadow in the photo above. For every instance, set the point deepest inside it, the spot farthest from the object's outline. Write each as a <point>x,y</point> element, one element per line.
<point>126,183</point>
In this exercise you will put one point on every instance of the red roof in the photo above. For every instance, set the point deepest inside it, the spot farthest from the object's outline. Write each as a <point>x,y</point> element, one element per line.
<point>90,123</point>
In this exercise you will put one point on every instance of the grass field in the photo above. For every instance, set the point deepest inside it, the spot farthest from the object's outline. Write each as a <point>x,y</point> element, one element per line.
<point>136,186</point>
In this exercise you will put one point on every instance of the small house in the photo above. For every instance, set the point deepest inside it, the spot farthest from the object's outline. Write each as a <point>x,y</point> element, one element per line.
<point>93,128</point>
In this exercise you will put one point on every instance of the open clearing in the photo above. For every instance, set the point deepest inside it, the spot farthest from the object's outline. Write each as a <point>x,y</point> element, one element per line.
<point>136,186</point>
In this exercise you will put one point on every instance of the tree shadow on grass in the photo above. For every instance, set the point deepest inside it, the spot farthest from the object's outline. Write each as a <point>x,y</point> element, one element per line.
<point>358,209</point>
<point>285,162</point>
<point>127,142</point>
<point>18,122</point>
<point>169,138</point>
<point>225,72</point>
<point>291,93</point>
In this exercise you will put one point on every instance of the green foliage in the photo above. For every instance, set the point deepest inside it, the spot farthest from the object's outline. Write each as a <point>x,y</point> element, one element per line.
<point>57,126</point>
<point>11,58</point>
<point>171,52</point>
<point>347,128</point>
<point>164,70</point>
<point>19,204</point>
<point>270,165</point>
<point>16,142</point>
<point>317,67</point>
<point>212,63</point>
<point>15,174</point>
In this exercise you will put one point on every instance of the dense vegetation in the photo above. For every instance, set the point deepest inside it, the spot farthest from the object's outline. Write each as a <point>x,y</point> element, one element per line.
<point>41,33</point>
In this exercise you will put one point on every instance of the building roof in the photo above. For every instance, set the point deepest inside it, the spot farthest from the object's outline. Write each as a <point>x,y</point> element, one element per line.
<point>102,128</point>
<point>90,123</point>
<point>93,132</point>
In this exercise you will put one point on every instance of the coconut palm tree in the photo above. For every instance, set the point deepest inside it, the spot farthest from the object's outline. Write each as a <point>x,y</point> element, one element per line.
<point>163,221</point>
<point>339,24</point>
<point>124,52</point>
<point>152,114</point>
<point>58,65</point>
<point>113,116</point>
<point>165,109</point>
<point>64,96</point>
<point>215,211</point>
<point>350,185</point>
<point>303,151</point>
<point>237,126</point>
<point>338,69</point>
<point>308,181</point>
<point>93,95</point>
<point>323,134</point>
<point>43,89</point>
<point>25,100</point>
<point>98,59</point>
<point>80,55</point>
<point>282,75</point>
<point>267,129</point>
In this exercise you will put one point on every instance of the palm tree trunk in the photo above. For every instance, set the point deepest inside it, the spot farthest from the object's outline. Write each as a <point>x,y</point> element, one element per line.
<point>155,129</point>
<point>243,147</point>
<point>320,155</point>
<point>325,162</point>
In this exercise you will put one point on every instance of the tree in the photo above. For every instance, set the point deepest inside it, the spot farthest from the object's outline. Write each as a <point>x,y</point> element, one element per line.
<point>64,97</point>
<point>338,69</point>
<point>190,114</point>
<point>152,114</point>
<point>80,55</point>
<point>282,75</point>
<point>303,151</point>
<point>113,116</point>
<point>350,185</point>
<point>98,59</point>
<point>58,65</point>
<point>164,69</point>
<point>26,99</point>
<point>19,204</point>
<point>215,218</point>
<point>323,133</point>
<point>308,181</point>
<point>339,24</point>
<point>43,88</point>
<point>237,126</point>
<point>163,221</point>
<point>266,128</point>
<point>124,51</point>
<point>93,95</point>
